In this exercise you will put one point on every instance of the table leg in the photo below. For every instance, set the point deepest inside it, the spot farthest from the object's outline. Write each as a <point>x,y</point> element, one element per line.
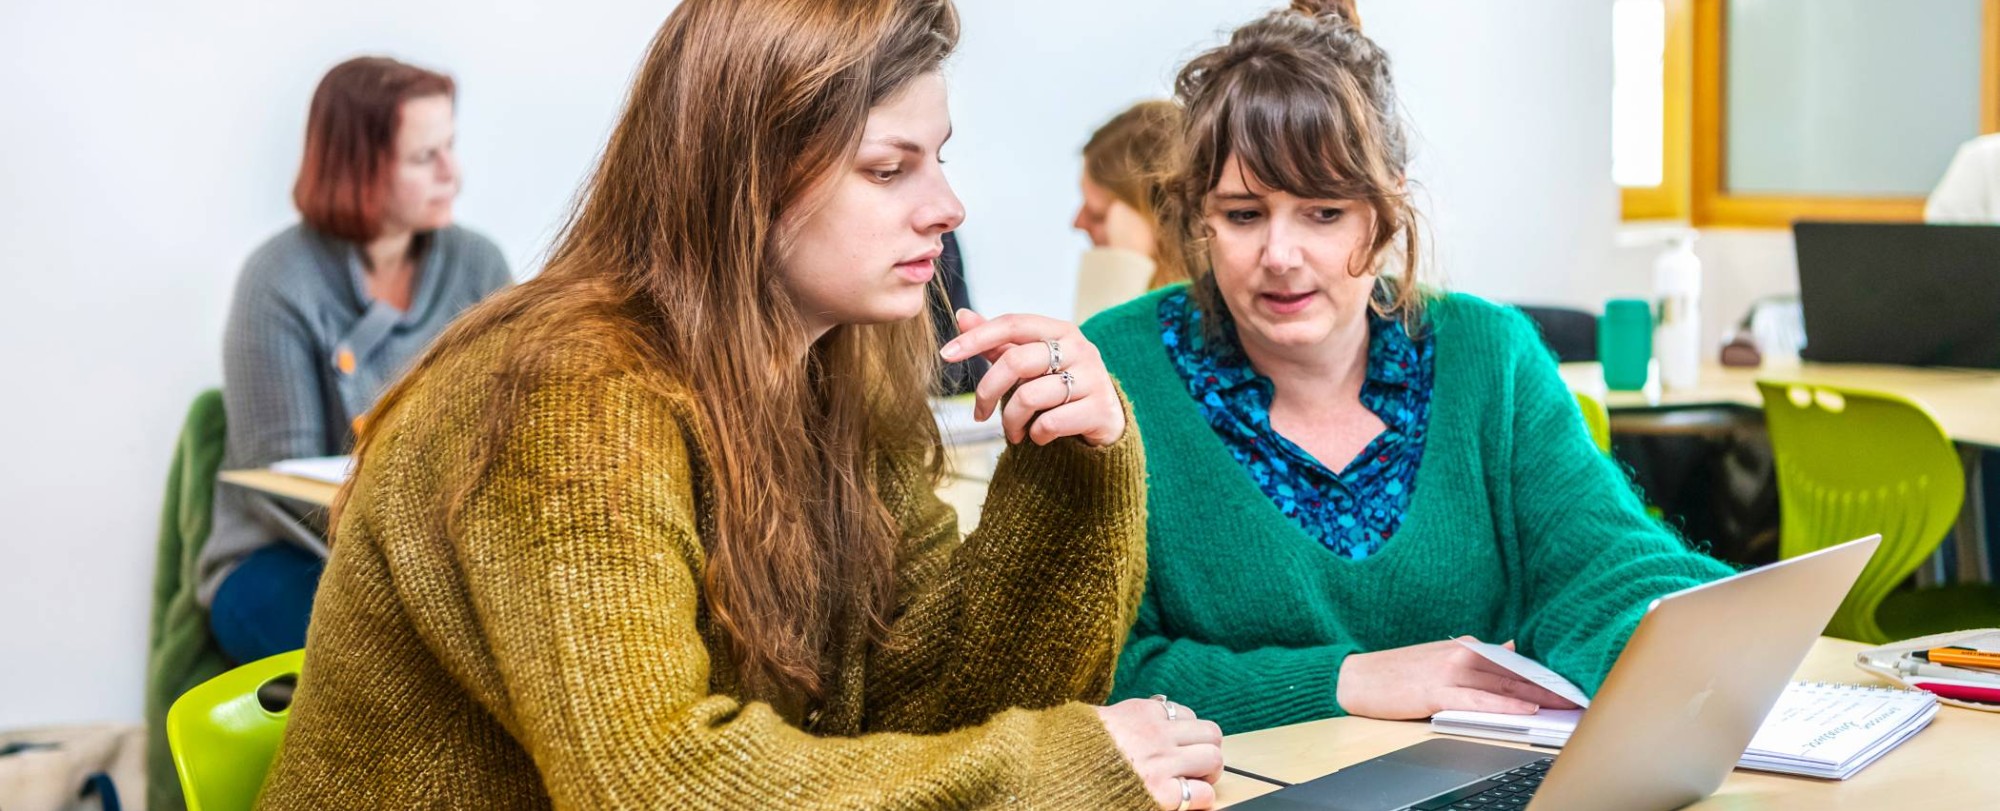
<point>268,504</point>
<point>1970,533</point>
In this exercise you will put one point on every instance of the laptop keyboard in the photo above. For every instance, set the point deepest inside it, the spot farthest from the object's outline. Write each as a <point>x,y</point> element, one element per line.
<point>1501,792</point>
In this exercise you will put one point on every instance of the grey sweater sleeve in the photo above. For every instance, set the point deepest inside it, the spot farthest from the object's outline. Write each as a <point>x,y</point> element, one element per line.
<point>274,410</point>
<point>270,377</point>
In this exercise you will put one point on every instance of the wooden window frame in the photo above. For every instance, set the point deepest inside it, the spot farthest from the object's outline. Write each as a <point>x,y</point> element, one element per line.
<point>1669,200</point>
<point>1695,164</point>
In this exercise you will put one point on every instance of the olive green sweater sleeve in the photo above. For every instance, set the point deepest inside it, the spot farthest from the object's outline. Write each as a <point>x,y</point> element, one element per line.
<point>581,552</point>
<point>1033,607</point>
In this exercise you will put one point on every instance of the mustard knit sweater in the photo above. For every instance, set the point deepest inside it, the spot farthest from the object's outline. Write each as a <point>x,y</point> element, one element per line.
<point>549,644</point>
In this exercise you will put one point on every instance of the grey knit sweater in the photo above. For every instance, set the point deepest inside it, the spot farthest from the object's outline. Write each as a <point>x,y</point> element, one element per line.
<point>301,310</point>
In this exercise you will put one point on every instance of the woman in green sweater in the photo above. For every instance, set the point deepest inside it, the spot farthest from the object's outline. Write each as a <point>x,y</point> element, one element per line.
<point>657,529</point>
<point>1346,470</point>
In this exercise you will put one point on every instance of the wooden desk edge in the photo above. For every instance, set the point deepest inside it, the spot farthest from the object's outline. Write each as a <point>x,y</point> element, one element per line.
<point>297,488</point>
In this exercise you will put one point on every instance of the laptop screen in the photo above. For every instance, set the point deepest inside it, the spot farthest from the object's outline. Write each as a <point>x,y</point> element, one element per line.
<point>1903,294</point>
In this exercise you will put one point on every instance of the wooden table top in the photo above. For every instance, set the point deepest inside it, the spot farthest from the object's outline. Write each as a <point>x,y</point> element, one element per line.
<point>1966,402</point>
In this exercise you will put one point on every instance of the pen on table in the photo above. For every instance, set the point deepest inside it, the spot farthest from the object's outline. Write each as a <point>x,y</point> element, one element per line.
<point>1959,656</point>
<point>1255,776</point>
<point>1958,690</point>
<point>1908,668</point>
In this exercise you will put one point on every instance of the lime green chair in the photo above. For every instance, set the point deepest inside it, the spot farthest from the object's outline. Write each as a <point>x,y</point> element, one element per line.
<point>225,731</point>
<point>1597,419</point>
<point>1854,463</point>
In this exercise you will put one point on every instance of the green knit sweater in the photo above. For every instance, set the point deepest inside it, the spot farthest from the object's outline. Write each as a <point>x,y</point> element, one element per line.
<point>548,644</point>
<point>1519,530</point>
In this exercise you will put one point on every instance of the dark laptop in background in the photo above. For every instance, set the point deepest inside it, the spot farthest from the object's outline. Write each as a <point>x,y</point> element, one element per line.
<point>1902,294</point>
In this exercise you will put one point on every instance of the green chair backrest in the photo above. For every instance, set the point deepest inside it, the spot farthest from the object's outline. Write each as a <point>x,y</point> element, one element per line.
<point>225,731</point>
<point>1597,419</point>
<point>1854,463</point>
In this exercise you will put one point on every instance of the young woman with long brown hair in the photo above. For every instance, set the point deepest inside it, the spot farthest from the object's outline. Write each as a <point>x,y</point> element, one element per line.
<point>657,529</point>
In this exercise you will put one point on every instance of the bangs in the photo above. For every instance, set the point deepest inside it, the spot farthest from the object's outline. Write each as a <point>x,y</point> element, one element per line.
<point>1306,105</point>
<point>1290,133</point>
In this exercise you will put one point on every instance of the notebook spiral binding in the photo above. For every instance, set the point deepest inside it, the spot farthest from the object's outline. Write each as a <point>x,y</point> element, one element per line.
<point>1860,688</point>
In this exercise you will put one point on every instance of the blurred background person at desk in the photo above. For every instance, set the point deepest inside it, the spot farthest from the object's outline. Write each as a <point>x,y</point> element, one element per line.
<point>1126,165</point>
<point>326,314</point>
<point>1969,192</point>
<point>1346,467</point>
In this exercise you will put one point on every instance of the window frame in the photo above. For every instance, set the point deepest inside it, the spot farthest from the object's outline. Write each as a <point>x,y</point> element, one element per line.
<point>1695,164</point>
<point>1670,199</point>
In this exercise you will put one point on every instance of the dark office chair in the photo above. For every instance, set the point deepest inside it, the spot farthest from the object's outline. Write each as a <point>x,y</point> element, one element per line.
<point>945,299</point>
<point>1707,470</point>
<point>1572,334</point>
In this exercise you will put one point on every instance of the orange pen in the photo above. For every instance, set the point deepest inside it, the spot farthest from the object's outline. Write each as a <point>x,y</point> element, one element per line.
<point>1960,657</point>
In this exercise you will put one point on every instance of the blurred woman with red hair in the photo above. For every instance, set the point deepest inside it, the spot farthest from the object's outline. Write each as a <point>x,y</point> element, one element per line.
<point>326,314</point>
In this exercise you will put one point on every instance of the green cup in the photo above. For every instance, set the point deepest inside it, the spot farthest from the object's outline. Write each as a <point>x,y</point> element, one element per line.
<point>1625,343</point>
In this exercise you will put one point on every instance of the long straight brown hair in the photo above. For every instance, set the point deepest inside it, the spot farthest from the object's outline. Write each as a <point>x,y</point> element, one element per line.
<point>740,108</point>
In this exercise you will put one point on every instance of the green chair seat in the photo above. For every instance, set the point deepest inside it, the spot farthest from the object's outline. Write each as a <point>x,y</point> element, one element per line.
<point>1909,614</point>
<point>226,730</point>
<point>1853,463</point>
<point>1596,418</point>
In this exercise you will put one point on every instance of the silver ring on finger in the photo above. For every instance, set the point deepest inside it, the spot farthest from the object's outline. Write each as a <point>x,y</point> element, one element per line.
<point>1069,387</point>
<point>1173,712</point>
<point>1055,355</point>
<point>1187,794</point>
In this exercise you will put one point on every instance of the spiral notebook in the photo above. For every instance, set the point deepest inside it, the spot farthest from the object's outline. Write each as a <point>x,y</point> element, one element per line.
<point>1816,729</point>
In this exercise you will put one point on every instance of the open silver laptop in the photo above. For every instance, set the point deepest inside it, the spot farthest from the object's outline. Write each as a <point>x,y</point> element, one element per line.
<point>1681,704</point>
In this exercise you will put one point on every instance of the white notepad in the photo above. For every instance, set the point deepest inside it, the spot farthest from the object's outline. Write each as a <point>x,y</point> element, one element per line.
<point>954,419</point>
<point>1815,729</point>
<point>329,469</point>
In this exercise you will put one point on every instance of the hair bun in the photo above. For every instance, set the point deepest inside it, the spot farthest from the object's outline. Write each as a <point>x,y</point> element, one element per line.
<point>1342,10</point>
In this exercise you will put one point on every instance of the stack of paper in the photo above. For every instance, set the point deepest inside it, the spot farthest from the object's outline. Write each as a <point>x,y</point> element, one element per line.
<point>329,469</point>
<point>954,419</point>
<point>1817,730</point>
<point>1835,730</point>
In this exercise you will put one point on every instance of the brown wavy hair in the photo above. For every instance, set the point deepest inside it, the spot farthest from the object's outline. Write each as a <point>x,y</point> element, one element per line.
<point>1133,157</point>
<point>739,109</point>
<point>1307,104</point>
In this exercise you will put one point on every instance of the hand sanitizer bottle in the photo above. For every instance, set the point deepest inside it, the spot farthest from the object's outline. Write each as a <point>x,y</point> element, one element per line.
<point>1677,332</point>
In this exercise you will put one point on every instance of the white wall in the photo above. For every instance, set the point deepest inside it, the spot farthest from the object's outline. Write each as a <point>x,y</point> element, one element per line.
<point>1510,105</point>
<point>147,147</point>
<point>1512,108</point>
